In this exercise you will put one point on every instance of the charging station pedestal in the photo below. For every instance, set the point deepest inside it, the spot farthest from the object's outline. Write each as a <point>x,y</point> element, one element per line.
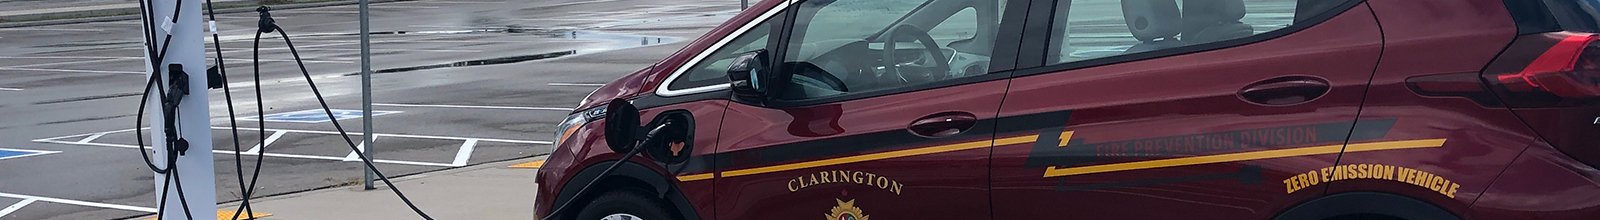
<point>194,166</point>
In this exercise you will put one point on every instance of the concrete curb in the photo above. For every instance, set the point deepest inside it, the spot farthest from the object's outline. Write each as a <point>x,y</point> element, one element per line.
<point>133,13</point>
<point>380,188</point>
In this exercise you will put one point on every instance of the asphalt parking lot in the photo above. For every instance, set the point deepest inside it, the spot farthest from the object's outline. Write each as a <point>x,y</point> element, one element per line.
<point>460,82</point>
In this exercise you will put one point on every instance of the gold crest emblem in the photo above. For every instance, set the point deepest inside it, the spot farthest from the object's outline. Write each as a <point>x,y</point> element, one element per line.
<point>846,211</point>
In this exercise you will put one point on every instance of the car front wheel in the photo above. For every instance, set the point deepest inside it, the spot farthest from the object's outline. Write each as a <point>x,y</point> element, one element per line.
<point>624,205</point>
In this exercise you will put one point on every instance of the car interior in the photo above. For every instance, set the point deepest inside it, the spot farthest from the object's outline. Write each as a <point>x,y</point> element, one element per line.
<point>1161,24</point>
<point>833,66</point>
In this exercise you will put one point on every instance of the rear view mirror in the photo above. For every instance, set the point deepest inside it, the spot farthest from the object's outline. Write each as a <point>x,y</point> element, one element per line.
<point>622,125</point>
<point>750,76</point>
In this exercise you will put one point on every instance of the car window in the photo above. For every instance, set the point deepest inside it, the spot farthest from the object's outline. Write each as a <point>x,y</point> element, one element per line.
<point>714,68</point>
<point>839,47</point>
<point>1575,15</point>
<point>961,26</point>
<point>1089,29</point>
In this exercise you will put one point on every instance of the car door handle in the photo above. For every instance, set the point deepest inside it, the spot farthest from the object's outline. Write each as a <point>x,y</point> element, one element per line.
<point>943,124</point>
<point>1283,91</point>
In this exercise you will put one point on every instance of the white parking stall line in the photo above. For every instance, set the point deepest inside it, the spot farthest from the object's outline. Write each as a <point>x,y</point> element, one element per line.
<point>575,19</point>
<point>233,17</point>
<point>14,207</point>
<point>316,12</point>
<point>401,7</point>
<point>357,49</point>
<point>72,70</point>
<point>631,13</point>
<point>360,148</point>
<point>263,154</point>
<point>576,3</point>
<point>58,139</point>
<point>82,203</point>
<point>700,4</point>
<point>393,50</point>
<point>473,106</point>
<point>333,42</point>
<point>245,60</point>
<point>74,62</point>
<point>465,152</point>
<point>287,80</point>
<point>93,137</point>
<point>576,84</point>
<point>9,89</point>
<point>607,13</point>
<point>466,148</point>
<point>300,48</point>
<point>270,139</point>
<point>456,2</point>
<point>53,29</point>
<point>67,57</point>
<point>447,41</point>
<point>403,136</point>
<point>341,159</point>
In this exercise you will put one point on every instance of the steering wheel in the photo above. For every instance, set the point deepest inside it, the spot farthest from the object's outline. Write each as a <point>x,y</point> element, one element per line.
<point>939,71</point>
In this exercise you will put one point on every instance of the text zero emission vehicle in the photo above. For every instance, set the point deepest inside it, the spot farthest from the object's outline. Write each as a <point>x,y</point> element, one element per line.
<point>1101,109</point>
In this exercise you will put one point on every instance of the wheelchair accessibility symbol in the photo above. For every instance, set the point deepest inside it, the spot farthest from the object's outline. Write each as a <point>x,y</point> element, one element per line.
<point>8,153</point>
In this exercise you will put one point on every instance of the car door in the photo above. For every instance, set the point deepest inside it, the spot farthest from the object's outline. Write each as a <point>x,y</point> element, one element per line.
<point>1142,109</point>
<point>847,138</point>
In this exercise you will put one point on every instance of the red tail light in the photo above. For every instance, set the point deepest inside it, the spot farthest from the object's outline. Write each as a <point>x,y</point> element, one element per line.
<point>1564,74</point>
<point>1552,82</point>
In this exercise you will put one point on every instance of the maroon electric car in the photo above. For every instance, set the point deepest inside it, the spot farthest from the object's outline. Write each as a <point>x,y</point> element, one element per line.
<point>1102,109</point>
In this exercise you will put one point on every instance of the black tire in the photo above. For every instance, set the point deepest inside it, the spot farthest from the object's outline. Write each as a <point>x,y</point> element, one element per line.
<point>624,202</point>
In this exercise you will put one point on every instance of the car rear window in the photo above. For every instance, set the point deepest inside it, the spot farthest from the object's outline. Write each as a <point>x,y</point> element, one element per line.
<point>1093,29</point>
<point>1575,15</point>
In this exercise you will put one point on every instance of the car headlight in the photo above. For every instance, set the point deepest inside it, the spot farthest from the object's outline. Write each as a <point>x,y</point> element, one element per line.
<point>576,121</point>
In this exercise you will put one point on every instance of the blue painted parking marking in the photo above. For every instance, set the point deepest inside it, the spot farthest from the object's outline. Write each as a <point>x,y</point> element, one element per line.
<point>317,115</point>
<point>8,153</point>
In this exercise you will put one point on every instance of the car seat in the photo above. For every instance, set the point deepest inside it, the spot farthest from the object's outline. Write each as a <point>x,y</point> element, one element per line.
<point>1154,22</point>
<point>1206,21</point>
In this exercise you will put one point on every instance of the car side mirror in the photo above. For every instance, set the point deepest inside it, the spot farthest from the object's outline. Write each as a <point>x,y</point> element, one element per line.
<point>750,76</point>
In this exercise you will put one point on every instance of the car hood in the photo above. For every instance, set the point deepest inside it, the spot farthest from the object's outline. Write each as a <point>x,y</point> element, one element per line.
<point>625,87</point>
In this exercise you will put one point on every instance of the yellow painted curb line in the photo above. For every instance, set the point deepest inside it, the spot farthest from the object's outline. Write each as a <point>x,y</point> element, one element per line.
<point>529,165</point>
<point>228,215</point>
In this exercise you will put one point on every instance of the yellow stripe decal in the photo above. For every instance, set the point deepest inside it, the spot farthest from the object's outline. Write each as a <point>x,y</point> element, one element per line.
<point>867,157</point>
<point>694,177</point>
<point>880,156</point>
<point>1243,156</point>
<point>1065,137</point>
